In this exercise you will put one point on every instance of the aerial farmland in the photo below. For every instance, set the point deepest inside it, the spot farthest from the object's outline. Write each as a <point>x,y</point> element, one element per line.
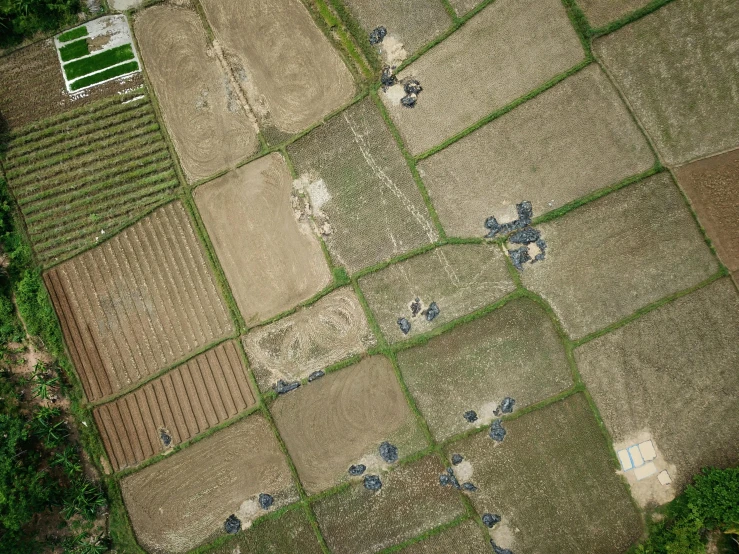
<point>353,276</point>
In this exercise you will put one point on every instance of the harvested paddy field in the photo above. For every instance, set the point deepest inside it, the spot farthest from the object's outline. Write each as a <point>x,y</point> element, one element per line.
<point>341,419</point>
<point>313,338</point>
<point>410,24</point>
<point>513,351</point>
<point>571,140</point>
<point>210,128</point>
<point>84,175</point>
<point>619,253</point>
<point>672,374</point>
<point>360,185</point>
<point>288,70</point>
<point>268,250</point>
<point>138,303</point>
<point>187,401</point>
<point>466,538</point>
<point>461,7</point>
<point>601,12</point>
<point>184,500</point>
<point>460,278</point>
<point>711,185</point>
<point>359,521</point>
<point>552,477</point>
<point>33,87</point>
<point>508,49</point>
<point>679,71</point>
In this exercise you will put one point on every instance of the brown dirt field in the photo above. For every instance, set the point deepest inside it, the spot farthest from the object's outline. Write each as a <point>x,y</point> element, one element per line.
<point>462,539</point>
<point>552,477</point>
<point>672,372</point>
<point>138,303</point>
<point>711,186</point>
<point>187,401</point>
<point>210,129</point>
<point>513,351</point>
<point>358,521</point>
<point>573,139</point>
<point>465,277</point>
<point>463,6</point>
<point>360,184</point>
<point>619,253</point>
<point>342,418</point>
<point>332,329</point>
<point>505,51</point>
<point>32,86</point>
<point>602,12</point>
<point>289,71</point>
<point>272,260</point>
<point>184,500</point>
<point>678,69</point>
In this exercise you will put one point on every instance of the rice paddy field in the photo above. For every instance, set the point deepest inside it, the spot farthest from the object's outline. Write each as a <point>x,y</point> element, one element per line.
<point>307,317</point>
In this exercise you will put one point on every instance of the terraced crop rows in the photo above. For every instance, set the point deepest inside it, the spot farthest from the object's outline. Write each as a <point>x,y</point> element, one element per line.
<point>88,173</point>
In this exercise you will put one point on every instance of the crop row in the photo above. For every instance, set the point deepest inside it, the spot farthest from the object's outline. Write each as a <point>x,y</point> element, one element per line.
<point>96,62</point>
<point>115,71</point>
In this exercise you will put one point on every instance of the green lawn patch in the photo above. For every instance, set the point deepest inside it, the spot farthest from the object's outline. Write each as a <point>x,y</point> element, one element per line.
<point>104,75</point>
<point>73,34</point>
<point>74,50</point>
<point>99,61</point>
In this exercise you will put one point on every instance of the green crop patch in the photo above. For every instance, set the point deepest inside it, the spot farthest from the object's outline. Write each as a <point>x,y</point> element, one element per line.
<point>74,50</point>
<point>104,59</point>
<point>73,34</point>
<point>116,71</point>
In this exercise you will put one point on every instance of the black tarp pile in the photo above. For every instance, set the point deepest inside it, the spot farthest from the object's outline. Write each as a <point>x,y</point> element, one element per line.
<point>523,234</point>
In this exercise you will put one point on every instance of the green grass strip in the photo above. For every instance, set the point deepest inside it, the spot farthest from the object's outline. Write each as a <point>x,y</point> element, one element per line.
<point>105,75</point>
<point>74,50</point>
<point>99,61</point>
<point>73,34</point>
<point>654,5</point>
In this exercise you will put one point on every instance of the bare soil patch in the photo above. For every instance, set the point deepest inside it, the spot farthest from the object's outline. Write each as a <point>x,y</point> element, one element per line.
<point>360,184</point>
<point>679,70</point>
<point>552,477</point>
<point>460,278</point>
<point>358,521</point>
<point>602,12</point>
<point>138,303</point>
<point>462,539</point>
<point>673,373</point>
<point>184,500</point>
<point>270,254</point>
<point>287,68</point>
<point>711,186</point>
<point>619,253</point>
<point>513,351</point>
<point>187,401</point>
<point>210,128</point>
<point>573,139</point>
<point>342,418</point>
<point>463,6</point>
<point>508,49</point>
<point>32,86</point>
<point>332,329</point>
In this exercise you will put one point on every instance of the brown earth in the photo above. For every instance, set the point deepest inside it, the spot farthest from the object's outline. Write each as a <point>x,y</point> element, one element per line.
<point>505,51</point>
<point>32,86</point>
<point>673,373</point>
<point>187,401</point>
<point>602,12</point>
<point>342,418</point>
<point>463,6</point>
<point>332,329</point>
<point>711,186</point>
<point>571,140</point>
<point>272,260</point>
<point>360,184</point>
<point>513,351</point>
<point>184,500</point>
<point>210,129</point>
<point>679,71</point>
<point>552,476</point>
<point>138,303</point>
<point>359,521</point>
<point>607,259</point>
<point>288,69</point>
<point>462,539</point>
<point>464,278</point>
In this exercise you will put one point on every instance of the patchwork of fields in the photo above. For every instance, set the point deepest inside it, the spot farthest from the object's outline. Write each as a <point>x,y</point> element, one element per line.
<point>302,313</point>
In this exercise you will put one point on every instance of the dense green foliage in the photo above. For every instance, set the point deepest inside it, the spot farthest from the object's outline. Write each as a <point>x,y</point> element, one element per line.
<point>712,502</point>
<point>99,61</point>
<point>74,50</point>
<point>73,34</point>
<point>104,75</point>
<point>20,19</point>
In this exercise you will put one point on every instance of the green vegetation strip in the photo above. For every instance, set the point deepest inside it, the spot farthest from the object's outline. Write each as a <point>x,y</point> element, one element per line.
<point>73,34</point>
<point>99,61</point>
<point>74,50</point>
<point>105,75</point>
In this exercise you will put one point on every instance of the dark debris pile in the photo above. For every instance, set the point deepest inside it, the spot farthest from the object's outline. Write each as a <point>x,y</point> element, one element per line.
<point>232,525</point>
<point>470,416</point>
<point>283,387</point>
<point>497,433</point>
<point>450,479</point>
<point>377,34</point>
<point>389,452</point>
<point>505,407</point>
<point>499,550</point>
<point>265,501</point>
<point>357,470</point>
<point>412,89</point>
<point>372,482</point>
<point>416,309</point>
<point>316,375</point>
<point>522,234</point>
